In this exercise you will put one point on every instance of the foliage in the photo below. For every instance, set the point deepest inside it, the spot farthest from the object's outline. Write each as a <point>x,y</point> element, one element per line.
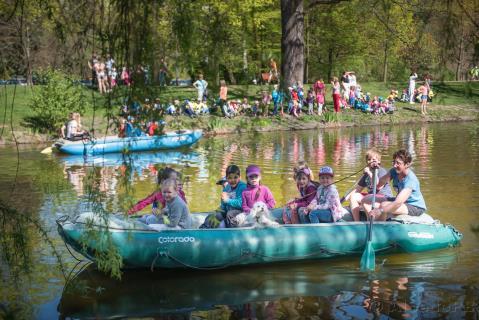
<point>55,100</point>
<point>331,117</point>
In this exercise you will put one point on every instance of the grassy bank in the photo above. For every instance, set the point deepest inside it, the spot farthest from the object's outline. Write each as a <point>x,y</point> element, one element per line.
<point>454,101</point>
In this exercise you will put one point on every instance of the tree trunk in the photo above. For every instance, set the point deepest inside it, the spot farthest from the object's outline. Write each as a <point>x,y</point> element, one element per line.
<point>385,64</point>
<point>307,51</point>
<point>330,64</point>
<point>292,42</point>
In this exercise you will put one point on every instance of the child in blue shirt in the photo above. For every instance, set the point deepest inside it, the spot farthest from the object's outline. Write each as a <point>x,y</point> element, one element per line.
<point>231,201</point>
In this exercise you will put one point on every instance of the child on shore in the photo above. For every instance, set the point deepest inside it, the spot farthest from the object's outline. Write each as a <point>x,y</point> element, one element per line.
<point>156,198</point>
<point>310,101</point>
<point>326,206</point>
<point>254,192</point>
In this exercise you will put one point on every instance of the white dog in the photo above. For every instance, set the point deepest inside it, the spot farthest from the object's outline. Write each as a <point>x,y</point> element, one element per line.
<point>259,216</point>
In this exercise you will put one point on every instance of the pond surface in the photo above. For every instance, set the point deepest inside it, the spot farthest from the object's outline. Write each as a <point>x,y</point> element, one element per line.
<point>437,284</point>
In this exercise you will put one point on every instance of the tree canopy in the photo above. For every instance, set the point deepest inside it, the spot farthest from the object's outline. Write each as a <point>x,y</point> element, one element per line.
<point>234,40</point>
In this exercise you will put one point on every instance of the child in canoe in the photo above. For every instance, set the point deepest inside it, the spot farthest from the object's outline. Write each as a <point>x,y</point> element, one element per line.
<point>175,208</point>
<point>231,201</point>
<point>373,159</point>
<point>156,198</point>
<point>254,192</point>
<point>307,192</point>
<point>326,206</point>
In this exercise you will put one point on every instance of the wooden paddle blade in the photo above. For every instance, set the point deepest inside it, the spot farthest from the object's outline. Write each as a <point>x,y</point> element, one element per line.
<point>368,259</point>
<point>47,150</point>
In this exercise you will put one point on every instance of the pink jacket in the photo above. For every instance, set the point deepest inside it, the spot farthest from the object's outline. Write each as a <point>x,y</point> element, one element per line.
<point>155,196</point>
<point>306,195</point>
<point>253,194</point>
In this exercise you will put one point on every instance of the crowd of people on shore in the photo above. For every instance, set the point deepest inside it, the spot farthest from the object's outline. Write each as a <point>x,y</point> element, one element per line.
<point>317,201</point>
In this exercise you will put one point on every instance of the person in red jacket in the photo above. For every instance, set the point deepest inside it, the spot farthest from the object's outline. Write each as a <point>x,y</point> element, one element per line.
<point>156,198</point>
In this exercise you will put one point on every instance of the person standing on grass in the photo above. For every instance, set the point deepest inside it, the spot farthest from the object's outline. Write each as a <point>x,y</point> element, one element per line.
<point>412,86</point>
<point>201,86</point>
<point>423,92</point>
<point>336,94</point>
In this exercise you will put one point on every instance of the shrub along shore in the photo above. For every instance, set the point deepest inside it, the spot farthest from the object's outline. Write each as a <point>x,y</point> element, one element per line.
<point>453,101</point>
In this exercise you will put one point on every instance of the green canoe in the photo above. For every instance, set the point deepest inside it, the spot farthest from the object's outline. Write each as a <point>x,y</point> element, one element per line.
<point>142,247</point>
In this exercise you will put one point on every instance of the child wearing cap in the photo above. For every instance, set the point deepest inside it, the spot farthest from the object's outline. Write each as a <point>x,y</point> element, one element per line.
<point>254,192</point>
<point>326,206</point>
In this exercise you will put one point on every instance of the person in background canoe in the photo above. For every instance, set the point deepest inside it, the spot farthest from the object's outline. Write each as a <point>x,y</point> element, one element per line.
<point>122,128</point>
<point>74,128</point>
<point>373,158</point>
<point>156,198</point>
<point>231,201</point>
<point>175,208</point>
<point>254,192</point>
<point>409,199</point>
<point>326,206</point>
<point>307,192</point>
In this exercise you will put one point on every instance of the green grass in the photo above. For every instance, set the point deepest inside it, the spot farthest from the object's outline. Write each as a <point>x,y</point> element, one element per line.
<point>454,94</point>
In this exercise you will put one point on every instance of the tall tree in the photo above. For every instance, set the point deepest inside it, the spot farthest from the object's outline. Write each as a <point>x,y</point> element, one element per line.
<point>292,39</point>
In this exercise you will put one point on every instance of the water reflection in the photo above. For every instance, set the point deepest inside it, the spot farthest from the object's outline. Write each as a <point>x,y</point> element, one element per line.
<point>294,291</point>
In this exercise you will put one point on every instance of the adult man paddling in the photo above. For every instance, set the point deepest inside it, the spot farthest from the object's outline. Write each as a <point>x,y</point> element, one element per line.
<point>409,199</point>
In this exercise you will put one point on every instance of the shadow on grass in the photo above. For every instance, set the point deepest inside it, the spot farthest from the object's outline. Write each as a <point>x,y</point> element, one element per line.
<point>39,124</point>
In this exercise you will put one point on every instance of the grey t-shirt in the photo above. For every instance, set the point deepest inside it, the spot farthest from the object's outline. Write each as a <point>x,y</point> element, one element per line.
<point>178,213</point>
<point>366,182</point>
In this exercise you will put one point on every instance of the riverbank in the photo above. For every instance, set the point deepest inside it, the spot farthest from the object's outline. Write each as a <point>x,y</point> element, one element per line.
<point>453,102</point>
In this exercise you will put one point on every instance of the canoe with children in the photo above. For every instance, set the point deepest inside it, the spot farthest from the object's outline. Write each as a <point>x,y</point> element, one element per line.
<point>249,228</point>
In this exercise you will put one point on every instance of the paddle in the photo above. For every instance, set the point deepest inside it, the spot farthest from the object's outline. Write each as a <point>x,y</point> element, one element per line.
<point>47,150</point>
<point>368,259</point>
<point>346,195</point>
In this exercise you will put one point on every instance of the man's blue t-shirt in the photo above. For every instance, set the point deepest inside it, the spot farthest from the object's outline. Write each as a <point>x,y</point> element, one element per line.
<point>409,182</point>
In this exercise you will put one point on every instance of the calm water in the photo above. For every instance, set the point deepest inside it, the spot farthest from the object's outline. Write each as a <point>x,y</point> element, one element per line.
<point>438,284</point>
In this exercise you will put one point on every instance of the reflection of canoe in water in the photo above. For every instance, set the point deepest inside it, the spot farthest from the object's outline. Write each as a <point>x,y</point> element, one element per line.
<point>141,247</point>
<point>93,294</point>
<point>170,140</point>
<point>142,293</point>
<point>137,159</point>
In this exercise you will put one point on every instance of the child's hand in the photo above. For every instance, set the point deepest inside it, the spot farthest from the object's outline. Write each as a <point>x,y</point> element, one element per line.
<point>368,171</point>
<point>225,196</point>
<point>293,205</point>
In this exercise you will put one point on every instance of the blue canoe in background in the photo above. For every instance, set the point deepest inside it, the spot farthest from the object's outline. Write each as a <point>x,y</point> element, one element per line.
<point>111,144</point>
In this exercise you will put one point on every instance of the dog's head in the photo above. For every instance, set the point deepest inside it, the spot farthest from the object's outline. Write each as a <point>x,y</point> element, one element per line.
<point>259,209</point>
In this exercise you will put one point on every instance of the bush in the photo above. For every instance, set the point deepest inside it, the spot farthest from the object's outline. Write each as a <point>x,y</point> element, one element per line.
<point>53,102</point>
